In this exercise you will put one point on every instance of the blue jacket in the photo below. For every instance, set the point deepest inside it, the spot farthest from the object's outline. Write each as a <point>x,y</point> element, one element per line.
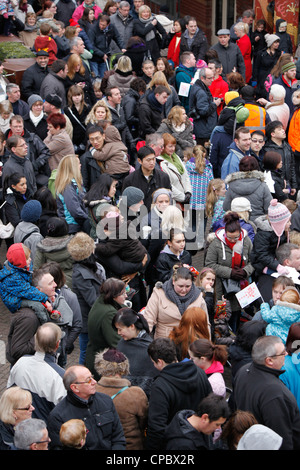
<point>15,285</point>
<point>71,207</point>
<point>232,161</point>
<point>280,318</point>
<point>202,101</point>
<point>220,142</point>
<point>291,376</point>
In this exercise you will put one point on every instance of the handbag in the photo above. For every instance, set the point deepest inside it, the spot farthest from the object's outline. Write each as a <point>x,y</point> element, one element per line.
<point>231,286</point>
<point>6,230</point>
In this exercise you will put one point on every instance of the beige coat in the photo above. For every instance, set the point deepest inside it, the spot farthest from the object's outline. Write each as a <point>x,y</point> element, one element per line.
<point>163,313</point>
<point>59,146</point>
<point>131,406</point>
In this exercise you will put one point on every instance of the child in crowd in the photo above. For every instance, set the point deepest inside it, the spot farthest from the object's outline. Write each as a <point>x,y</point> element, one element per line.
<point>16,278</point>
<point>97,88</point>
<point>282,315</point>
<point>200,173</point>
<point>173,253</point>
<point>30,31</point>
<point>7,11</point>
<point>45,42</point>
<point>214,201</point>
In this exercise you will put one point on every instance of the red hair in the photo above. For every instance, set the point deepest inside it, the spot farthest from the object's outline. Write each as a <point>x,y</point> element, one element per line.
<point>57,120</point>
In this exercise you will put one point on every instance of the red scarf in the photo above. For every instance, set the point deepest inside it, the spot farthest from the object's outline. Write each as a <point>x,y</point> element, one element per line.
<point>237,259</point>
<point>173,51</point>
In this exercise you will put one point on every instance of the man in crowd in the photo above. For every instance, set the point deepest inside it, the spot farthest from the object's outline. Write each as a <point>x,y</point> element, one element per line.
<point>239,148</point>
<point>34,75</point>
<point>229,54</point>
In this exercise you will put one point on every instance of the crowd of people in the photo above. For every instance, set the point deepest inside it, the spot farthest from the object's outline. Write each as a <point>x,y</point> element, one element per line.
<point>131,145</point>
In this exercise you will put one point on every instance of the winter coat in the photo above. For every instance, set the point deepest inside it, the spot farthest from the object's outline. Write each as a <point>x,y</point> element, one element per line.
<point>201,100</point>
<point>153,45</point>
<point>280,317</point>
<point>120,80</point>
<point>232,161</point>
<point>52,83</point>
<point>172,100</point>
<point>43,377</point>
<point>219,258</point>
<point>184,74</point>
<point>7,433</point>
<point>90,170</point>
<point>78,12</point>
<point>262,67</point>
<point>288,161</point>
<point>20,339</point>
<point>251,185</point>
<point>164,314</point>
<point>272,404</point>
<point>244,44</point>
<point>289,90</point>
<point>65,10</point>
<point>23,166</point>
<point>249,228</point>
<point>55,249</point>
<point>198,46</point>
<point>163,267</point>
<point>183,138</point>
<point>124,27</point>
<point>41,129</point>
<point>79,130</point>
<point>220,141</point>
<point>291,375</point>
<point>16,285</point>
<point>99,415</point>
<point>150,115</point>
<point>59,145</point>
<point>294,126</point>
<point>15,202</point>
<point>113,154</point>
<point>130,105</point>
<point>285,44</point>
<point>180,183</point>
<point>159,179</point>
<point>89,95</point>
<point>101,333</point>
<point>132,407</point>
<point>137,53</point>
<point>141,368</point>
<point>230,57</point>
<point>181,435</point>
<point>179,386</point>
<point>276,184</point>
<point>264,246</point>
<point>199,183</point>
<point>32,80</point>
<point>215,377</point>
<point>29,234</point>
<point>101,40</point>
<point>279,111</point>
<point>71,207</point>
<point>86,285</point>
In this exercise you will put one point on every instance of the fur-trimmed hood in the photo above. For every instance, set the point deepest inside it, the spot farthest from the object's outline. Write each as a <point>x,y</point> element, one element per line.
<point>238,175</point>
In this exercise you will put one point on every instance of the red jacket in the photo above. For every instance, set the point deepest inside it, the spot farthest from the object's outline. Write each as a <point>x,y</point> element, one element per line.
<point>218,88</point>
<point>46,43</point>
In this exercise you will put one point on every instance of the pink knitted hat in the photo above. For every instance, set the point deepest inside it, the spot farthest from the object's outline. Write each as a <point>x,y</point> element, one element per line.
<point>278,215</point>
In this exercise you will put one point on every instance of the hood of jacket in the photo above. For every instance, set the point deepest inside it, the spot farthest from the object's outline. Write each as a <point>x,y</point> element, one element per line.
<point>262,223</point>
<point>23,228</point>
<point>182,375</point>
<point>49,244</point>
<point>112,135</point>
<point>245,175</point>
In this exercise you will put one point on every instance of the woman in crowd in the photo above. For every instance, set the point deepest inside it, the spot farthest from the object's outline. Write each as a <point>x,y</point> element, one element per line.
<point>229,256</point>
<point>99,112</point>
<point>87,278</point>
<point>211,358</point>
<point>99,200</point>
<point>170,300</point>
<point>54,247</point>
<point>133,329</point>
<point>122,76</point>
<point>101,334</point>
<point>163,65</point>
<point>136,50</point>
<point>57,140</point>
<point>49,208</point>
<point>15,406</point>
<point>248,182</point>
<point>35,121</point>
<point>147,27</point>
<point>192,326</point>
<point>175,39</point>
<point>171,164</point>
<point>265,61</point>
<point>179,126</point>
<point>77,111</point>
<point>158,79</point>
<point>70,193</point>
<point>15,195</point>
<point>130,401</point>
<point>243,41</point>
<point>78,75</point>
<point>87,20</point>
<point>6,110</point>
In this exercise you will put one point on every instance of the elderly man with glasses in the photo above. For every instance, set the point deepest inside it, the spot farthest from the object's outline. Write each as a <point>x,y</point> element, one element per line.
<point>97,410</point>
<point>258,389</point>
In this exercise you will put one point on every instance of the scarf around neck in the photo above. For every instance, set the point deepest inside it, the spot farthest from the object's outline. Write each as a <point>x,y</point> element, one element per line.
<point>181,302</point>
<point>151,34</point>
<point>175,160</point>
<point>237,250</point>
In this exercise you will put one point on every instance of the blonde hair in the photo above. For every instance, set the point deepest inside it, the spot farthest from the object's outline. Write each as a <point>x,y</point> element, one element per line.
<point>175,115</point>
<point>172,219</point>
<point>6,107</point>
<point>124,64</point>
<point>200,154</point>
<point>241,26</point>
<point>72,433</point>
<point>157,79</point>
<point>290,295</point>
<point>295,237</point>
<point>214,186</point>
<point>11,399</point>
<point>144,8</point>
<point>91,116</point>
<point>68,170</point>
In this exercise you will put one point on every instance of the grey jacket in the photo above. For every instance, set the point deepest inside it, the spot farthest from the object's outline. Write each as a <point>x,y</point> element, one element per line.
<point>29,234</point>
<point>251,185</point>
<point>230,57</point>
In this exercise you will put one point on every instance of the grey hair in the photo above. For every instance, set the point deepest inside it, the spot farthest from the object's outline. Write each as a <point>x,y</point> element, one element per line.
<point>124,4</point>
<point>75,41</point>
<point>202,72</point>
<point>264,346</point>
<point>285,250</point>
<point>10,86</point>
<point>28,432</point>
<point>278,92</point>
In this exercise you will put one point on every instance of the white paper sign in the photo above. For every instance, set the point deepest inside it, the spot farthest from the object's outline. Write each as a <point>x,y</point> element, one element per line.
<point>184,89</point>
<point>248,295</point>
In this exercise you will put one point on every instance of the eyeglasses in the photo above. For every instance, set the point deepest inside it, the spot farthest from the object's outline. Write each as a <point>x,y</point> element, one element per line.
<point>89,380</point>
<point>257,141</point>
<point>281,354</point>
<point>233,239</point>
<point>26,408</point>
<point>42,442</point>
